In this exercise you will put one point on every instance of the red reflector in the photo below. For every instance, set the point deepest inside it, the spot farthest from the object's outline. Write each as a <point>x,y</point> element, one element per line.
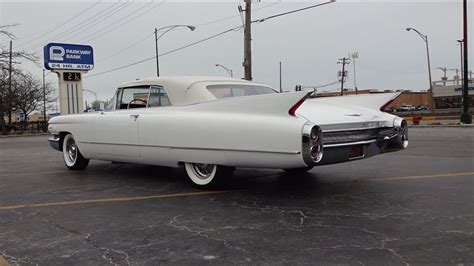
<point>356,151</point>
<point>293,109</point>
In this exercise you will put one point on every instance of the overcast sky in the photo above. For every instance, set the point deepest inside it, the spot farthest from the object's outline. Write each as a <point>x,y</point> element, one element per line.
<point>308,43</point>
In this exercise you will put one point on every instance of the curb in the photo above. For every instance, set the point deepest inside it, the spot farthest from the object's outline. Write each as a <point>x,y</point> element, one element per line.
<point>23,135</point>
<point>453,126</point>
<point>410,118</point>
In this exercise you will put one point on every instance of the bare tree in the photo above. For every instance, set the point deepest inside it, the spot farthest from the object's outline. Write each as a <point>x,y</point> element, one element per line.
<point>29,94</point>
<point>6,93</point>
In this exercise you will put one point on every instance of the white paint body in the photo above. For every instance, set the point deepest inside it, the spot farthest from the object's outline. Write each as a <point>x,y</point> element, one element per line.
<point>250,131</point>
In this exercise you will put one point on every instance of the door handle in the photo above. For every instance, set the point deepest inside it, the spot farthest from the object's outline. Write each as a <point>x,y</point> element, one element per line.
<point>135,116</point>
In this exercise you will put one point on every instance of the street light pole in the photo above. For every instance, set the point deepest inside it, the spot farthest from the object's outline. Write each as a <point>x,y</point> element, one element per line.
<point>281,89</point>
<point>44,98</point>
<point>226,69</point>
<point>425,39</point>
<point>156,53</point>
<point>169,28</point>
<point>466,118</point>
<point>93,92</point>
<point>355,55</point>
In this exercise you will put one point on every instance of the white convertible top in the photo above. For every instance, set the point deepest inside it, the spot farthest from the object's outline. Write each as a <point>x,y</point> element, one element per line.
<point>179,87</point>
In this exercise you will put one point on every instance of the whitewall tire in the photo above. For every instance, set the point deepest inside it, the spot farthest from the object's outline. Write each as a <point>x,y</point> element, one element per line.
<point>208,175</point>
<point>71,154</point>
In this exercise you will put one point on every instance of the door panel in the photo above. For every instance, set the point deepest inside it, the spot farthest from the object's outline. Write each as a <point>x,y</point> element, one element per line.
<point>116,133</point>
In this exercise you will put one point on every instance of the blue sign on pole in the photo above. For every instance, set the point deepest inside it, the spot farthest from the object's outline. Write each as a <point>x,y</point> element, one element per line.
<point>62,56</point>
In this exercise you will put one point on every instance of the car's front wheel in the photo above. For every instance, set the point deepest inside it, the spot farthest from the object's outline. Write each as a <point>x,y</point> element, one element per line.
<point>208,175</point>
<point>71,154</point>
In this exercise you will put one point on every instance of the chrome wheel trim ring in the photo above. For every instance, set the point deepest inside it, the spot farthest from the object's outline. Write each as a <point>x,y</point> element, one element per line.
<point>203,171</point>
<point>70,152</point>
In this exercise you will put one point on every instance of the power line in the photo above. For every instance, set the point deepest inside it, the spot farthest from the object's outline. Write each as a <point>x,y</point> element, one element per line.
<point>208,38</point>
<point>234,16</point>
<point>198,25</point>
<point>58,26</point>
<point>125,22</point>
<point>114,22</point>
<point>126,48</point>
<point>163,54</point>
<point>109,15</point>
<point>293,11</point>
<point>73,28</point>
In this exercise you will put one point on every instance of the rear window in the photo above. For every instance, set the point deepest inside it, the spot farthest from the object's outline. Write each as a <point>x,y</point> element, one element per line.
<point>226,91</point>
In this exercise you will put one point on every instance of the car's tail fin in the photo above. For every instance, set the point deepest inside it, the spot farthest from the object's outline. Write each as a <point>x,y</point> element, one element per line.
<point>268,104</point>
<point>376,101</point>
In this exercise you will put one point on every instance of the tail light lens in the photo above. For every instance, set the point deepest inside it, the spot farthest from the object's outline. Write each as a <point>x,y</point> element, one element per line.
<point>315,133</point>
<point>315,151</point>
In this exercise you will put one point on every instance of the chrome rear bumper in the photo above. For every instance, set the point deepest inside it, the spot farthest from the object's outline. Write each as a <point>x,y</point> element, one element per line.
<point>349,151</point>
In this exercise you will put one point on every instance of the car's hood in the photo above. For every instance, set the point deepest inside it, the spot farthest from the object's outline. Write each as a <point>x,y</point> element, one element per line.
<point>337,116</point>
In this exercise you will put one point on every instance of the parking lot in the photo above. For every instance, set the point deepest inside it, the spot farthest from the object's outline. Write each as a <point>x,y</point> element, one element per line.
<point>414,206</point>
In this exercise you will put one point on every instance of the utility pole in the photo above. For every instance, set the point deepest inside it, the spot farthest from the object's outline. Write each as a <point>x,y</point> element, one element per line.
<point>281,90</point>
<point>444,77</point>
<point>445,70</point>
<point>466,118</point>
<point>460,42</point>
<point>247,41</point>
<point>457,72</point>
<point>355,55</point>
<point>44,98</point>
<point>344,61</point>
<point>10,86</point>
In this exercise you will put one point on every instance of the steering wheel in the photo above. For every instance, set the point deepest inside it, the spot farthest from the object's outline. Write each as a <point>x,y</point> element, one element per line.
<point>134,100</point>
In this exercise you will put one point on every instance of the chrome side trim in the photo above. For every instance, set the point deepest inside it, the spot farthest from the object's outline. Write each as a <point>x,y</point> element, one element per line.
<point>352,129</point>
<point>355,126</point>
<point>192,148</point>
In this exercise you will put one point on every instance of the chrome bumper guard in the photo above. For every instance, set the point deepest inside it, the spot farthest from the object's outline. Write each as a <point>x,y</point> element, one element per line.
<point>54,142</point>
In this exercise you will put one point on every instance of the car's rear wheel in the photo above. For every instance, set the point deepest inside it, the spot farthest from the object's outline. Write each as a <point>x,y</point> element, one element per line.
<point>208,175</point>
<point>298,170</point>
<point>71,154</point>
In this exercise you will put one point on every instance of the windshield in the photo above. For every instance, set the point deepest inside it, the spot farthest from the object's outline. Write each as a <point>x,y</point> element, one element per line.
<point>234,90</point>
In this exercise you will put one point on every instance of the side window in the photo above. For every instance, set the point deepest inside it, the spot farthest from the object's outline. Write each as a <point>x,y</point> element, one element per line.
<point>112,103</point>
<point>158,97</point>
<point>133,97</point>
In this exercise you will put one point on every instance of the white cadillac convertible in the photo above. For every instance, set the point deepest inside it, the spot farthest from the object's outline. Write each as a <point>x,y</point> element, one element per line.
<point>212,125</point>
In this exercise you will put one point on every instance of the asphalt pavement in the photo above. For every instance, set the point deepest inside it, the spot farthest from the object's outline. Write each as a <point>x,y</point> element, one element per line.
<point>410,207</point>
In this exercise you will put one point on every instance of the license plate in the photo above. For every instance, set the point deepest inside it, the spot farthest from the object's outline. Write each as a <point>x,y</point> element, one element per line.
<point>356,151</point>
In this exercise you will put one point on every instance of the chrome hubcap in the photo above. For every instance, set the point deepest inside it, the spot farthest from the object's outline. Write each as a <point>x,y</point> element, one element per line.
<point>71,150</point>
<point>203,170</point>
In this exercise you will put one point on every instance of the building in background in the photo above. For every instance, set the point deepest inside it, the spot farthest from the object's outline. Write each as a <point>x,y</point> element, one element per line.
<point>447,95</point>
<point>407,97</point>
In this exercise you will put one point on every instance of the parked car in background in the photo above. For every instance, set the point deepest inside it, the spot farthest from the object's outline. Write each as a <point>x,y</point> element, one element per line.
<point>422,107</point>
<point>406,107</point>
<point>11,128</point>
<point>211,125</point>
